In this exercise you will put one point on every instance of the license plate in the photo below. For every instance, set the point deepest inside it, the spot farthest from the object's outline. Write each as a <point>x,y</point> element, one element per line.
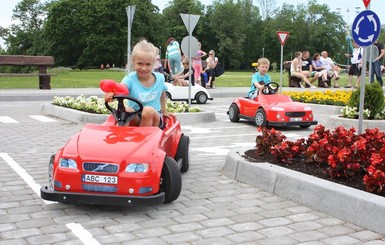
<point>100,179</point>
<point>295,119</point>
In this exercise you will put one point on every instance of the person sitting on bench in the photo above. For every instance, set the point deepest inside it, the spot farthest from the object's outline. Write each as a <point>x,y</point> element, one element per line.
<point>296,69</point>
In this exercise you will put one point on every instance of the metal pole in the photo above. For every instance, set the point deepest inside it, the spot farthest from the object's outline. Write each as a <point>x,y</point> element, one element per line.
<point>130,10</point>
<point>362,92</point>
<point>280,77</point>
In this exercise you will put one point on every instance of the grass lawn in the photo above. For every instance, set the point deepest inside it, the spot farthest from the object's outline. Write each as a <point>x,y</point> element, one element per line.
<point>91,79</point>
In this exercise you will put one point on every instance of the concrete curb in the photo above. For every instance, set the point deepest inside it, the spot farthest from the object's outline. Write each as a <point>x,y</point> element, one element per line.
<point>336,120</point>
<point>84,117</point>
<point>358,207</point>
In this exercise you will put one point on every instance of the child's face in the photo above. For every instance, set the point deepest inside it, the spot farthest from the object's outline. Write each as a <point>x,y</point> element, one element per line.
<point>144,64</point>
<point>185,64</point>
<point>263,68</point>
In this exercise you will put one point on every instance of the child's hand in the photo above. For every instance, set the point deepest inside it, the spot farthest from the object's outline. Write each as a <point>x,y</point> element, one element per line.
<point>108,97</point>
<point>168,114</point>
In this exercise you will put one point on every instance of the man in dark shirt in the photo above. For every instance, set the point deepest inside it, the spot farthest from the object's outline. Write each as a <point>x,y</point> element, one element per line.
<point>376,64</point>
<point>307,67</point>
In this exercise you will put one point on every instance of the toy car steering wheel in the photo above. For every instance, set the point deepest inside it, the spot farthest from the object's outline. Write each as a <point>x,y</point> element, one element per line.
<point>270,88</point>
<point>120,114</point>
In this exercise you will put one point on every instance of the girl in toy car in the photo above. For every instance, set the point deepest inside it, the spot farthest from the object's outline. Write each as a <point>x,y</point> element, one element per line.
<point>146,86</point>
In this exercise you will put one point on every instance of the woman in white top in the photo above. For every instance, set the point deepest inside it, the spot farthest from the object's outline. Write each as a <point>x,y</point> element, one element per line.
<point>296,69</point>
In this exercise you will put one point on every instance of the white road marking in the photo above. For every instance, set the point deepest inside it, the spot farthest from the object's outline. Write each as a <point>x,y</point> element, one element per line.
<point>43,118</point>
<point>221,136</point>
<point>5,119</point>
<point>23,174</point>
<point>84,235</point>
<point>222,150</point>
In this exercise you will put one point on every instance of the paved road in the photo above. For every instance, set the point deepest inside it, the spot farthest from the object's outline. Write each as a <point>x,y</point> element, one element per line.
<point>212,208</point>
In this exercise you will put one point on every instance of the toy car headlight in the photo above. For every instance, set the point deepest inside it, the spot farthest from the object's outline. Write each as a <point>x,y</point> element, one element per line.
<point>276,108</point>
<point>137,168</point>
<point>67,163</point>
<point>307,108</point>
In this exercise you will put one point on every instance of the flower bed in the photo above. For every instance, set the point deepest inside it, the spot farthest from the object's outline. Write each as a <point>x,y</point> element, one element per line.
<point>340,154</point>
<point>95,104</point>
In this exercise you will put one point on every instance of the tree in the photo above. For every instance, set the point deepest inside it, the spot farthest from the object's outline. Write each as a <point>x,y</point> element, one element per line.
<point>268,8</point>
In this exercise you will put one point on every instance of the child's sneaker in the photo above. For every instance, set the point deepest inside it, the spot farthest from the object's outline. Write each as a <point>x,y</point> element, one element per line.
<point>313,86</point>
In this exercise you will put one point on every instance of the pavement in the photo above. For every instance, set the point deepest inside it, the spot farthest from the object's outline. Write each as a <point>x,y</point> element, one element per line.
<point>224,200</point>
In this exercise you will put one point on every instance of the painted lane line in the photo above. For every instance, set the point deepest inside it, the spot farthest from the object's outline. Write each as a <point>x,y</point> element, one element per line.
<point>222,150</point>
<point>43,118</point>
<point>84,235</point>
<point>5,119</point>
<point>221,136</point>
<point>23,174</point>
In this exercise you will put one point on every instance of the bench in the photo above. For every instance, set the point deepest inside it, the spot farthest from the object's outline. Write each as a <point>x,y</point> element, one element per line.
<point>293,80</point>
<point>42,62</point>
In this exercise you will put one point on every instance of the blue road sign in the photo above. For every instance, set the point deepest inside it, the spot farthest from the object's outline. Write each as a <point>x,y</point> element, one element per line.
<point>366,28</point>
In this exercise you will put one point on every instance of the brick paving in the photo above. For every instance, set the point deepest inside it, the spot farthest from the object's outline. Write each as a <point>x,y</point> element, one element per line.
<point>212,208</point>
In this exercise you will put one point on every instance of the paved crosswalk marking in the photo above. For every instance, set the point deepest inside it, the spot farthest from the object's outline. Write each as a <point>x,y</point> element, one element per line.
<point>43,118</point>
<point>5,119</point>
<point>84,235</point>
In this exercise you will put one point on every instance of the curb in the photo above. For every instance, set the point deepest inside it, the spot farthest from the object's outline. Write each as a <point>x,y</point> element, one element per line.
<point>336,120</point>
<point>84,117</point>
<point>354,206</point>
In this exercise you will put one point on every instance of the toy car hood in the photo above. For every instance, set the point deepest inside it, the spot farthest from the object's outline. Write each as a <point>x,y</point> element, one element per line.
<point>112,143</point>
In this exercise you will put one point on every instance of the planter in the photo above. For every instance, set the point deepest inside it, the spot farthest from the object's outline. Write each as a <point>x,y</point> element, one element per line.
<point>85,117</point>
<point>351,205</point>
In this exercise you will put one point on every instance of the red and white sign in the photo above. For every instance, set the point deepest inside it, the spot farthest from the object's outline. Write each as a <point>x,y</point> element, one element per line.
<point>366,3</point>
<point>282,36</point>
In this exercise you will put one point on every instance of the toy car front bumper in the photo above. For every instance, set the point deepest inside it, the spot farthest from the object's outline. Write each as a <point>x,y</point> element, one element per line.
<point>97,199</point>
<point>277,124</point>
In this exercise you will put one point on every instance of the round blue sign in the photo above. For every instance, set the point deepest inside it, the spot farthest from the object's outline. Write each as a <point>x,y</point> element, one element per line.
<point>366,28</point>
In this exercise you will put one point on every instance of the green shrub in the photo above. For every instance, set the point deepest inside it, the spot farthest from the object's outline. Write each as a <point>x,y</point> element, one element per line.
<point>374,99</point>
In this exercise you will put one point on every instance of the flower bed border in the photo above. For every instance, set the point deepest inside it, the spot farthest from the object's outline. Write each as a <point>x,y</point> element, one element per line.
<point>351,205</point>
<point>85,117</point>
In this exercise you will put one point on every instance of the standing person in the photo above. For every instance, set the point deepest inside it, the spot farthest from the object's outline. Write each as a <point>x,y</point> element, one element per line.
<point>212,62</point>
<point>173,56</point>
<point>296,69</point>
<point>145,85</point>
<point>330,67</point>
<point>355,67</point>
<point>260,78</point>
<point>182,78</point>
<point>197,64</point>
<point>307,67</point>
<point>376,64</point>
<point>320,69</point>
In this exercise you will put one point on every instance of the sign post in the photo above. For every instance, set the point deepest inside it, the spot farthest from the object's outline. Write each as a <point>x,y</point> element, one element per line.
<point>366,29</point>
<point>282,36</point>
<point>190,44</point>
<point>130,17</point>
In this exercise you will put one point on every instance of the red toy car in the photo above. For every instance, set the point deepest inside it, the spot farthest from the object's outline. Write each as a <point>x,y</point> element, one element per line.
<point>270,109</point>
<point>114,164</point>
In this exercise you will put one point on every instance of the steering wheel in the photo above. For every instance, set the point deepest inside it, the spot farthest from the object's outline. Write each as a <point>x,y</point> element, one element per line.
<point>270,88</point>
<point>120,114</point>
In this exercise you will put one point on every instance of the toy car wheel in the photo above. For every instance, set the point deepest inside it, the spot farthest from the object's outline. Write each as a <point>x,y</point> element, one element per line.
<point>51,182</point>
<point>260,118</point>
<point>168,95</point>
<point>304,126</point>
<point>234,113</point>
<point>171,180</point>
<point>201,97</point>
<point>183,153</point>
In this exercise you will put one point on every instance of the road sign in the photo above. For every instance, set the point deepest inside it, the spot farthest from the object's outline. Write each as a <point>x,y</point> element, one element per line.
<point>366,3</point>
<point>282,36</point>
<point>366,28</point>
<point>194,45</point>
<point>190,21</point>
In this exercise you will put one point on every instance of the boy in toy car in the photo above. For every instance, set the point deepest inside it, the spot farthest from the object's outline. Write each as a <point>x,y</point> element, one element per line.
<point>147,86</point>
<point>260,78</point>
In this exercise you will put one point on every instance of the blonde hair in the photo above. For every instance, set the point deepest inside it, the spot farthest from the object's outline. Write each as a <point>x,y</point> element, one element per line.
<point>186,60</point>
<point>143,47</point>
<point>263,61</point>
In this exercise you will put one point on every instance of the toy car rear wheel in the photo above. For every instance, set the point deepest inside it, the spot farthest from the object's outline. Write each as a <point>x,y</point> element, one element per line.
<point>168,95</point>
<point>260,118</point>
<point>183,153</point>
<point>51,181</point>
<point>234,113</point>
<point>201,97</point>
<point>171,180</point>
